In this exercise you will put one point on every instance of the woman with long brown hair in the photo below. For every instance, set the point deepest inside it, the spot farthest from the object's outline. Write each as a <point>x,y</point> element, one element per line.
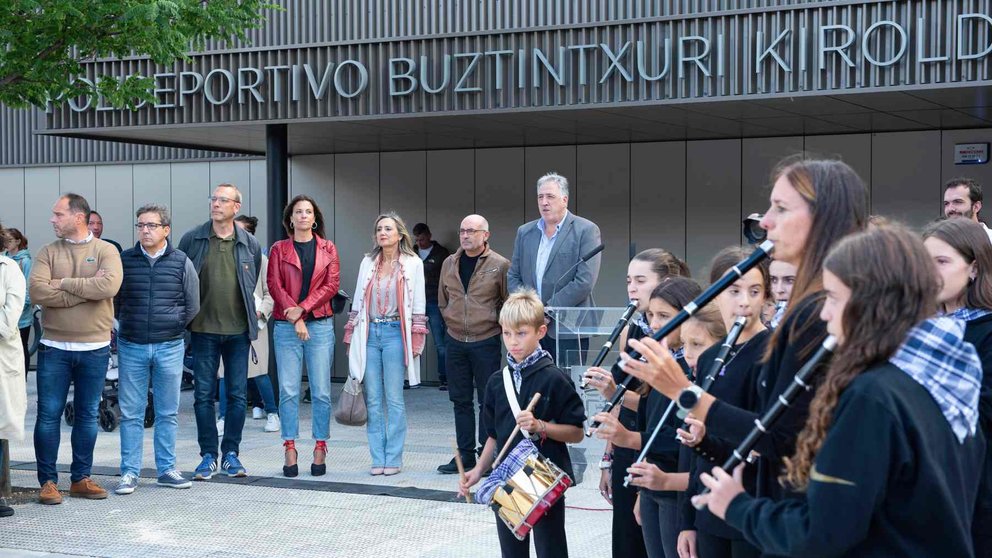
<point>814,204</point>
<point>645,272</point>
<point>303,276</point>
<point>734,384</point>
<point>963,256</point>
<point>889,458</point>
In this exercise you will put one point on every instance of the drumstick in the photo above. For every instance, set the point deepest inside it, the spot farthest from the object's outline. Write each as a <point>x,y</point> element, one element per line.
<point>509,441</point>
<point>461,469</point>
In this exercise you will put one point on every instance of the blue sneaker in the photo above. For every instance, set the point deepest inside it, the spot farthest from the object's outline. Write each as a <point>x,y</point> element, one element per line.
<point>173,479</point>
<point>232,466</point>
<point>206,468</point>
<point>127,485</point>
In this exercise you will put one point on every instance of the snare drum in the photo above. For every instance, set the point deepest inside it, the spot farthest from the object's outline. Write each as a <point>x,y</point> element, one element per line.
<point>532,485</point>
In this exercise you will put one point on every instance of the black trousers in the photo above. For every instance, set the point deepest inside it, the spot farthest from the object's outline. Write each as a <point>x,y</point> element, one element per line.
<point>628,538</point>
<point>25,335</point>
<point>549,536</point>
<point>710,546</point>
<point>468,366</point>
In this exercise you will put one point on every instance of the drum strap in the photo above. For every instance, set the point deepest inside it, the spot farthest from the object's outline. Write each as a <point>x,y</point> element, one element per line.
<point>511,392</point>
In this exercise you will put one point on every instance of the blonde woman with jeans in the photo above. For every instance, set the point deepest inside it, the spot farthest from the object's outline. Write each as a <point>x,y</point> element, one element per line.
<point>386,334</point>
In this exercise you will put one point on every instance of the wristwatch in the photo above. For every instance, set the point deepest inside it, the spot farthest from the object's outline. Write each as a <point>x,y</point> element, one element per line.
<point>689,397</point>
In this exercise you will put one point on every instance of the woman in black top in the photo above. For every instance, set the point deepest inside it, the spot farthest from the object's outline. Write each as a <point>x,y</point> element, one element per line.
<point>890,456</point>
<point>961,251</point>
<point>814,204</point>
<point>733,383</point>
<point>657,509</point>
<point>645,272</point>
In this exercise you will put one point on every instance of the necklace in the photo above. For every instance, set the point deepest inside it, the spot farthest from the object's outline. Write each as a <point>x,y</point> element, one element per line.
<point>382,296</point>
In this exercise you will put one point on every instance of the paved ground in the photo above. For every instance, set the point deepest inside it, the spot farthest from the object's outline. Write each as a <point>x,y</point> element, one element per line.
<point>345,513</point>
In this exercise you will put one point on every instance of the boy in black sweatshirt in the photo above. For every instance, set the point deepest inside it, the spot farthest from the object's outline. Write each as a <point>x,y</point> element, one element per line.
<point>556,420</point>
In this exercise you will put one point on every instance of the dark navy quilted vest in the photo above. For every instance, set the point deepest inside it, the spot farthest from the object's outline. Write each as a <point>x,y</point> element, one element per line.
<point>152,302</point>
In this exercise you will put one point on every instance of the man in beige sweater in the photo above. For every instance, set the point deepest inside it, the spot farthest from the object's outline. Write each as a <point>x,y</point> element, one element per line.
<point>74,280</point>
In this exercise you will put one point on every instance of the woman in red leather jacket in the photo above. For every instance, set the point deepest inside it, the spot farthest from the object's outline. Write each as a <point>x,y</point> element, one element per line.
<point>303,277</point>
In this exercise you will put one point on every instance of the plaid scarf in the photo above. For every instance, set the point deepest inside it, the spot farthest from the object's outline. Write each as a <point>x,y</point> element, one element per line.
<point>936,355</point>
<point>640,322</point>
<point>514,461</point>
<point>968,314</point>
<point>516,368</point>
<point>779,312</point>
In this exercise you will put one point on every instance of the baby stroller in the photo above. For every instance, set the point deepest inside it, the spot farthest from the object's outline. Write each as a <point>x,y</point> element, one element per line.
<point>109,411</point>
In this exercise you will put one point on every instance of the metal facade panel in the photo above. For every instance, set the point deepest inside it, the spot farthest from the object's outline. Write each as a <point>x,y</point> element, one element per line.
<point>12,193</point>
<point>599,63</point>
<point>713,203</point>
<point>20,146</point>
<point>905,183</point>
<point>500,194</point>
<point>657,196</point>
<point>114,200</point>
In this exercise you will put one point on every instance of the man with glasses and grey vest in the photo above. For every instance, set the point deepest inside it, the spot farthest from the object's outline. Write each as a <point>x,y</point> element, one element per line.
<point>160,295</point>
<point>227,260</point>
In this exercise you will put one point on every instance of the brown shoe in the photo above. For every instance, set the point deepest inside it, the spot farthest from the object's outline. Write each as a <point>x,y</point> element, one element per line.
<point>50,495</point>
<point>86,488</point>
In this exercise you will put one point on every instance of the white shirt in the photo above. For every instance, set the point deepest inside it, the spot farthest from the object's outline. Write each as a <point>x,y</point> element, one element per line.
<point>70,345</point>
<point>987,230</point>
<point>424,252</point>
<point>544,252</point>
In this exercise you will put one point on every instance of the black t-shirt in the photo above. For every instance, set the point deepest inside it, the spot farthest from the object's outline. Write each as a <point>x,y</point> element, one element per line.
<point>735,385</point>
<point>559,403</point>
<point>799,336</point>
<point>664,450</point>
<point>978,332</point>
<point>466,267</point>
<point>307,251</point>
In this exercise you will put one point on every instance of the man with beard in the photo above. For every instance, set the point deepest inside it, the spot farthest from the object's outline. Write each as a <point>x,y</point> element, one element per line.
<point>963,198</point>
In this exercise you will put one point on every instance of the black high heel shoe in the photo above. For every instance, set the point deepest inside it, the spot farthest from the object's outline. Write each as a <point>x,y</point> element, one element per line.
<point>315,469</point>
<point>291,470</point>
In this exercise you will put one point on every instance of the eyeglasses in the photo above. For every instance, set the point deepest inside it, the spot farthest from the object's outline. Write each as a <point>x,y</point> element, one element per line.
<point>470,232</point>
<point>149,226</point>
<point>222,199</point>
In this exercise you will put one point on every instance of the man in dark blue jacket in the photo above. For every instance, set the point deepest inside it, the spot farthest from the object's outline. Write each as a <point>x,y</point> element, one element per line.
<point>159,296</point>
<point>227,260</point>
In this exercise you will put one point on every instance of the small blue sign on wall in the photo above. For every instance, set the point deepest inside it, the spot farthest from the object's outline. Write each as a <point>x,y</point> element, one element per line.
<point>971,153</point>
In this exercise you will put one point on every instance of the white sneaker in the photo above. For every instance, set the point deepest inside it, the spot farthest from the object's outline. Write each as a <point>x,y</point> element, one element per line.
<point>272,423</point>
<point>257,413</point>
<point>220,427</point>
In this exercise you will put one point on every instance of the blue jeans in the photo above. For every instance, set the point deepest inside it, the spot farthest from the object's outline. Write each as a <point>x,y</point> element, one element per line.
<point>290,354</point>
<point>384,373</point>
<point>87,372</point>
<point>264,386</point>
<point>164,363</point>
<point>208,349</point>
<point>439,334</point>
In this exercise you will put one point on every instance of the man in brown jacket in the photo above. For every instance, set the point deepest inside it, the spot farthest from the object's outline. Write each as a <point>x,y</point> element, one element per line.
<point>471,292</point>
<point>74,280</point>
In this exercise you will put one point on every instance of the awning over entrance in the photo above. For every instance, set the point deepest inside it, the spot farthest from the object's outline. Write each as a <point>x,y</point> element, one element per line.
<point>965,106</point>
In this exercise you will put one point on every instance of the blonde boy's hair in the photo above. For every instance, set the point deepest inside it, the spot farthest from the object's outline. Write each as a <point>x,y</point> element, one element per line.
<point>522,308</point>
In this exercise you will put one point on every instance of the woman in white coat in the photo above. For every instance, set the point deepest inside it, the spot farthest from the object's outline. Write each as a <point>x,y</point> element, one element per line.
<point>13,399</point>
<point>385,332</point>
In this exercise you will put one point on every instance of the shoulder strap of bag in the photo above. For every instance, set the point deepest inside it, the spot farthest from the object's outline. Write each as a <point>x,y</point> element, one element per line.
<point>511,391</point>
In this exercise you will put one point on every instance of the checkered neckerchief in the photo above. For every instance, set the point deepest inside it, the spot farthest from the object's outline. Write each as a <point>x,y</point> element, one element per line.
<point>513,462</point>
<point>642,323</point>
<point>968,314</point>
<point>515,367</point>
<point>936,355</point>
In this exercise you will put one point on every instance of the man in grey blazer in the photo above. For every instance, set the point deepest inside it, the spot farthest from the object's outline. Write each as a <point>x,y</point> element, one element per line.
<point>545,253</point>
